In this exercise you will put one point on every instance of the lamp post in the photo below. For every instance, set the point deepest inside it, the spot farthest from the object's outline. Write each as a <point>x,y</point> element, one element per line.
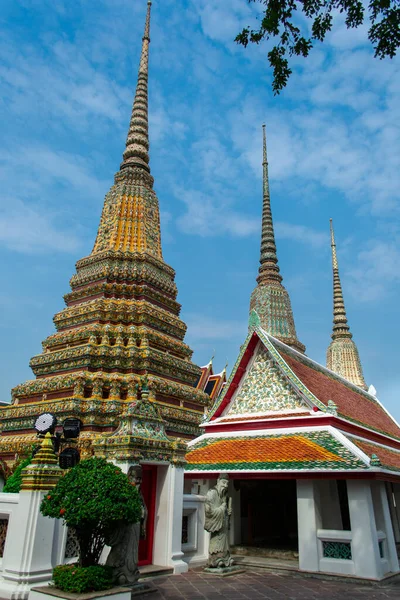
<point>63,443</point>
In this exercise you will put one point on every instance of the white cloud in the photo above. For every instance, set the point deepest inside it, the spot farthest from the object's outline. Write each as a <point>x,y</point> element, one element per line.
<point>301,233</point>
<point>221,23</point>
<point>376,270</point>
<point>202,327</point>
<point>207,216</point>
<point>36,216</point>
<point>25,228</point>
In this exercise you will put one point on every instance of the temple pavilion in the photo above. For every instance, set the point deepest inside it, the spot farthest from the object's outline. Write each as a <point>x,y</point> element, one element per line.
<point>313,458</point>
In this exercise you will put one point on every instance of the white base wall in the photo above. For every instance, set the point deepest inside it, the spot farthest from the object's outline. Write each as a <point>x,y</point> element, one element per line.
<point>370,543</point>
<point>28,550</point>
<point>196,549</point>
<point>113,594</point>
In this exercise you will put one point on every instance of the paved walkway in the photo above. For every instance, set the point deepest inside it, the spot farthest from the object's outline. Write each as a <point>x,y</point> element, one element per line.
<point>255,584</point>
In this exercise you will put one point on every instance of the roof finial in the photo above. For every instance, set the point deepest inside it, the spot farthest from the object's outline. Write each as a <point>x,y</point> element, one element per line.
<point>269,270</point>
<point>270,306</point>
<point>342,355</point>
<point>136,153</point>
<point>341,327</point>
<point>265,165</point>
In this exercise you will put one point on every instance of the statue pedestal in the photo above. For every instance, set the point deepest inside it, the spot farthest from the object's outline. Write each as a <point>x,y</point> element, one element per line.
<point>224,571</point>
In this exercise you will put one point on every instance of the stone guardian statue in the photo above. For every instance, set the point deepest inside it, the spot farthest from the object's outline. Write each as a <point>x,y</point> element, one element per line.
<point>218,509</point>
<point>124,540</point>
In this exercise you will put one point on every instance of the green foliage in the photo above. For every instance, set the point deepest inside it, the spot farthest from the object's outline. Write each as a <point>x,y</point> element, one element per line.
<point>279,19</point>
<point>92,498</point>
<point>78,580</point>
<point>14,482</point>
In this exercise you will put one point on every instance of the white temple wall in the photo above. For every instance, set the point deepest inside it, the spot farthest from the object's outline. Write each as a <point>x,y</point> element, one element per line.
<point>393,493</point>
<point>386,540</point>
<point>195,549</point>
<point>368,550</point>
<point>29,548</point>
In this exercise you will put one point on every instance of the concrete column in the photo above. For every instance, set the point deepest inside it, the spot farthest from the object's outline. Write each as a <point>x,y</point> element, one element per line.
<point>235,529</point>
<point>309,521</point>
<point>365,548</point>
<point>168,522</point>
<point>384,524</point>
<point>28,560</point>
<point>395,508</point>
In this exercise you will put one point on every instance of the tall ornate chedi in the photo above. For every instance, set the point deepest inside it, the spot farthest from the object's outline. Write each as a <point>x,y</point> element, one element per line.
<point>121,321</point>
<point>270,299</point>
<point>342,355</point>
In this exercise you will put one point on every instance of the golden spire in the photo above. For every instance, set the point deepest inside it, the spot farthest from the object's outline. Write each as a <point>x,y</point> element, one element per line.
<point>341,328</point>
<point>342,355</point>
<point>43,472</point>
<point>270,299</point>
<point>269,270</point>
<point>130,220</point>
<point>137,142</point>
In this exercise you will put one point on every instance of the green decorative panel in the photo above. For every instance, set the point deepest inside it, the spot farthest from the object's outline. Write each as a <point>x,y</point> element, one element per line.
<point>340,550</point>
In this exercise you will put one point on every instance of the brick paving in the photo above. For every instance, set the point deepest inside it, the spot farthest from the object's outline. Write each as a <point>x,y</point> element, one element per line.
<point>255,584</point>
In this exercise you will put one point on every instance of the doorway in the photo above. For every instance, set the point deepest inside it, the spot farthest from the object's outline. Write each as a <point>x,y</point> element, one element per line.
<point>148,487</point>
<point>269,514</point>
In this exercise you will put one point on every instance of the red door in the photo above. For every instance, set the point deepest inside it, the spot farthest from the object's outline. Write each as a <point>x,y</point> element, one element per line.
<point>148,488</point>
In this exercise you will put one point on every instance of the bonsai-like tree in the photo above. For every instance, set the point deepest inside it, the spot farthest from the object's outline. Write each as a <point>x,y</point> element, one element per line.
<point>93,498</point>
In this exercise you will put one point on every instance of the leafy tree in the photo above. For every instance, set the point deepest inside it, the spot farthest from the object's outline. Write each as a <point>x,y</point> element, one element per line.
<point>14,482</point>
<point>93,498</point>
<point>279,23</point>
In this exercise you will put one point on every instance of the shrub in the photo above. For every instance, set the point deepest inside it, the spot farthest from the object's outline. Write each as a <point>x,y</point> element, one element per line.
<point>93,498</point>
<point>78,580</point>
<point>14,482</point>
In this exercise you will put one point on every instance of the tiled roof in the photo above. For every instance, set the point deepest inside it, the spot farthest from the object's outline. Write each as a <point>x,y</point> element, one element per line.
<point>351,404</point>
<point>312,450</point>
<point>388,458</point>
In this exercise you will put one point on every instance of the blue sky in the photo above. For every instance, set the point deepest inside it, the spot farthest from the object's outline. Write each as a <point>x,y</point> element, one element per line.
<point>67,78</point>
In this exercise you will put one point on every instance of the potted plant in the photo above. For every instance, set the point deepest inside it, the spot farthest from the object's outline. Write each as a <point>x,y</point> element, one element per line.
<point>93,498</point>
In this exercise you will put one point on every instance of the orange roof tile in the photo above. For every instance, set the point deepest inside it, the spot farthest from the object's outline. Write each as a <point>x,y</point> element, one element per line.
<point>306,451</point>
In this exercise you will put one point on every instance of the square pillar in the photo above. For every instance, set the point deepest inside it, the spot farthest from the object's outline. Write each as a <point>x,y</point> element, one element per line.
<point>28,560</point>
<point>309,521</point>
<point>235,532</point>
<point>365,547</point>
<point>384,524</point>
<point>168,521</point>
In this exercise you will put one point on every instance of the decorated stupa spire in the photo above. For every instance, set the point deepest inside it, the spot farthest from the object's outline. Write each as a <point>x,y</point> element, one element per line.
<point>269,269</point>
<point>122,319</point>
<point>137,143</point>
<point>130,221</point>
<point>270,299</point>
<point>342,355</point>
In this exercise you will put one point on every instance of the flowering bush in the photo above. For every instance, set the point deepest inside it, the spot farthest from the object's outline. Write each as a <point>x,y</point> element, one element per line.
<point>78,580</point>
<point>92,498</point>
